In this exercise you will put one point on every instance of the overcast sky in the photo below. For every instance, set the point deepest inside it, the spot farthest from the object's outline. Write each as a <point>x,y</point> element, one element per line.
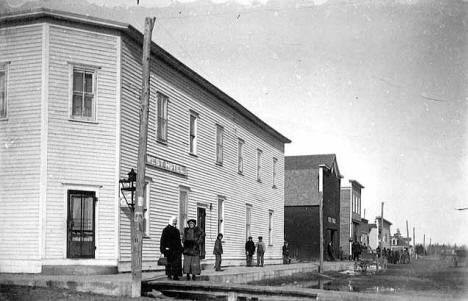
<point>382,84</point>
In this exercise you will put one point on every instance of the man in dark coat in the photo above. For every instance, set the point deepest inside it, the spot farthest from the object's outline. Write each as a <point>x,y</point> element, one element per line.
<point>171,247</point>
<point>249,251</point>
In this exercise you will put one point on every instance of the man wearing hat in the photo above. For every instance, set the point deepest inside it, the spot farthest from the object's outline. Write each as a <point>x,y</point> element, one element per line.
<point>193,238</point>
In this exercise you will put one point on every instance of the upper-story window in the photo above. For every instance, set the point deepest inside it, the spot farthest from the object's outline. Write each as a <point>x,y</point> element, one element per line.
<point>83,102</point>
<point>161,130</point>
<point>3,91</point>
<point>219,144</point>
<point>240,156</point>
<point>193,133</point>
<point>275,163</point>
<point>259,165</point>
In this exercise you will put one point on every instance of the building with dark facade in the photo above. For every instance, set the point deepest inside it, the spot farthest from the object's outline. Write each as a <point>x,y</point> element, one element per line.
<point>307,178</point>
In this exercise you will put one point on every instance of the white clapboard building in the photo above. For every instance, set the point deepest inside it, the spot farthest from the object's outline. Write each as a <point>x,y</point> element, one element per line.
<point>69,101</point>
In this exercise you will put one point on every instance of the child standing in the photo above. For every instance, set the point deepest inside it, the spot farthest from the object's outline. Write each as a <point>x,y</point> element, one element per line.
<point>260,251</point>
<point>217,251</point>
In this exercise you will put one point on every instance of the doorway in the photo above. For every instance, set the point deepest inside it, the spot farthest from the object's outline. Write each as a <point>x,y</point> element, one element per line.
<point>81,224</point>
<point>201,222</point>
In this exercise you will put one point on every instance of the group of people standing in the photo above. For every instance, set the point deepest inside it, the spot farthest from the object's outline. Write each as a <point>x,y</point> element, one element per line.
<point>250,248</point>
<point>193,237</point>
<point>172,248</point>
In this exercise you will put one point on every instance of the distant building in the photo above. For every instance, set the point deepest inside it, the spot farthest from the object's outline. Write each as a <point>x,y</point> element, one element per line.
<point>302,198</point>
<point>385,232</point>
<point>363,231</point>
<point>69,109</point>
<point>398,242</point>
<point>350,215</point>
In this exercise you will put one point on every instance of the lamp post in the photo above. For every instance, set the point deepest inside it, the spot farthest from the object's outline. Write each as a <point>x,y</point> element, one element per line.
<point>128,185</point>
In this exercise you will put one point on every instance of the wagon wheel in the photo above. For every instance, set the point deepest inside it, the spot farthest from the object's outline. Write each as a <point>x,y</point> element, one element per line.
<point>363,266</point>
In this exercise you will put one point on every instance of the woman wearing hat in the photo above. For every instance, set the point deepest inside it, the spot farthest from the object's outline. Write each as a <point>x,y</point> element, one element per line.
<point>193,238</point>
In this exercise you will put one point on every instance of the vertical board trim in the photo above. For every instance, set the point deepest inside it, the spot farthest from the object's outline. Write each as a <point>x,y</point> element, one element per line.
<point>118,97</point>
<point>44,140</point>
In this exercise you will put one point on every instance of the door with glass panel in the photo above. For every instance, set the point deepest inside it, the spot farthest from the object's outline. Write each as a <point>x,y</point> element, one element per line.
<point>81,224</point>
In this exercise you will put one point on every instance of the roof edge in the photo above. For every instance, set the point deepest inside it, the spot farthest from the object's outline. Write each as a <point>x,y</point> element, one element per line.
<point>156,50</point>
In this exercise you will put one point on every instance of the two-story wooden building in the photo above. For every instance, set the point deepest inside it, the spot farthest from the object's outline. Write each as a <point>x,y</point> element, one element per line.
<point>70,87</point>
<point>307,180</point>
<point>350,215</point>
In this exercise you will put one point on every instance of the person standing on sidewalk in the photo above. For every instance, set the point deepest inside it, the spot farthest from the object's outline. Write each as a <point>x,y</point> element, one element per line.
<point>249,251</point>
<point>260,251</point>
<point>286,259</point>
<point>218,251</point>
<point>171,247</point>
<point>193,237</point>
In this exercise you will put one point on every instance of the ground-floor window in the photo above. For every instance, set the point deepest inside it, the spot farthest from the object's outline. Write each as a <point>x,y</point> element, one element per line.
<point>183,208</point>
<point>221,215</point>
<point>146,210</point>
<point>248,221</point>
<point>81,233</point>
<point>270,227</point>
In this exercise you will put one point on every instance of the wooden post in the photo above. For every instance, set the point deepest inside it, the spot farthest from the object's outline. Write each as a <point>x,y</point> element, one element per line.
<point>424,243</point>
<point>407,232</point>
<point>320,185</point>
<point>141,163</point>
<point>382,231</point>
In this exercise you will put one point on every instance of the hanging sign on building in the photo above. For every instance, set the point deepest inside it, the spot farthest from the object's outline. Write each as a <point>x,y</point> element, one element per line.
<point>166,165</point>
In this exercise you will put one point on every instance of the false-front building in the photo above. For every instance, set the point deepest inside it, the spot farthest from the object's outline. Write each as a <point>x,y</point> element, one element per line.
<point>69,103</point>
<point>350,215</point>
<point>307,180</point>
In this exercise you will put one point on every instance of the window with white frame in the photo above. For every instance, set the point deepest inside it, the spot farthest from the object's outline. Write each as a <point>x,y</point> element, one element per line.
<point>259,165</point>
<point>162,119</point>
<point>270,227</point>
<point>240,156</point>
<point>275,163</point>
<point>219,144</point>
<point>3,91</point>
<point>146,210</point>
<point>183,207</point>
<point>83,102</point>
<point>248,221</point>
<point>193,132</point>
<point>221,215</point>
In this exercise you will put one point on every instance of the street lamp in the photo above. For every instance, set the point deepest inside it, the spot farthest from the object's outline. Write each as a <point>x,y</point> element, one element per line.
<point>128,185</point>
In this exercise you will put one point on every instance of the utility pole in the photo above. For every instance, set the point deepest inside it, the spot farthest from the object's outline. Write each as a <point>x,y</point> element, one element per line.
<point>137,242</point>
<point>414,244</point>
<point>424,242</point>
<point>382,230</point>
<point>407,231</point>
<point>320,185</point>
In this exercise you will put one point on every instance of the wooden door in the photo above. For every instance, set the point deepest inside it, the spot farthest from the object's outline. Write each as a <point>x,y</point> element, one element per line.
<point>81,224</point>
<point>201,222</point>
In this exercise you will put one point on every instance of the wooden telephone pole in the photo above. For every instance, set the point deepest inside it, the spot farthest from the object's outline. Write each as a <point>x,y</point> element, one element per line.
<point>137,237</point>
<point>320,185</point>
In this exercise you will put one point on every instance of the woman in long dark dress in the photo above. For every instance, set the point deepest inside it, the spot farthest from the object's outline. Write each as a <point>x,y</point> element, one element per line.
<point>171,247</point>
<point>193,238</point>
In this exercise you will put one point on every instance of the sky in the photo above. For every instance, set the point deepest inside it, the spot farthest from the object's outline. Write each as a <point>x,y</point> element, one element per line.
<point>382,84</point>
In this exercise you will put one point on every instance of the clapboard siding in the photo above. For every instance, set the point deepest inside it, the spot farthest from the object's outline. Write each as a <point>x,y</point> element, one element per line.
<point>79,152</point>
<point>205,179</point>
<point>20,137</point>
